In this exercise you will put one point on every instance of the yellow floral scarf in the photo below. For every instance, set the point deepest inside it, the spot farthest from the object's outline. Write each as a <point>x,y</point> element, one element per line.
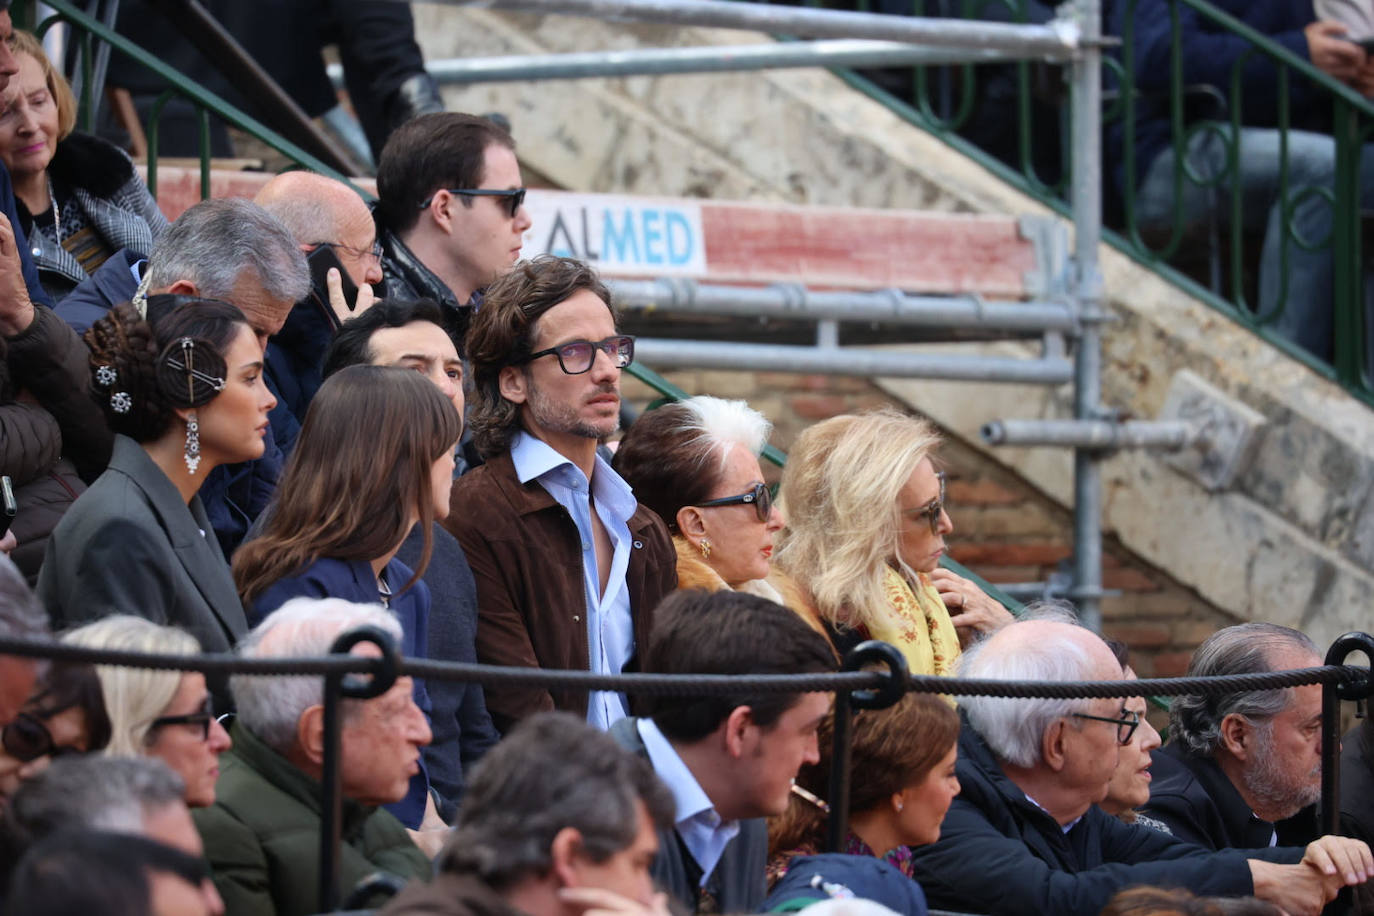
<point>918,623</point>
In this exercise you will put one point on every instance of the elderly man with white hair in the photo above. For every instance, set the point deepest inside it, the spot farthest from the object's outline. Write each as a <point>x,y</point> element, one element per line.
<point>262,834</point>
<point>1025,835</point>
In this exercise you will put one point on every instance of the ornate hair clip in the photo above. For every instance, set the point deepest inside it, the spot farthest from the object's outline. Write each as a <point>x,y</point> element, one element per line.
<point>120,402</point>
<point>105,376</point>
<point>810,797</point>
<point>187,363</point>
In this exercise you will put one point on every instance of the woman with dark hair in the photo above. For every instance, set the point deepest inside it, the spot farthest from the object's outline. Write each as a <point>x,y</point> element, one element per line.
<point>347,500</point>
<point>695,463</point>
<point>183,392</point>
<point>902,783</point>
<point>66,715</point>
<point>80,198</point>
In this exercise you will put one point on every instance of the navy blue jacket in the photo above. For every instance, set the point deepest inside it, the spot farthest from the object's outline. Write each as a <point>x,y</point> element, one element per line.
<point>1209,55</point>
<point>113,282</point>
<point>463,730</point>
<point>354,581</point>
<point>37,295</point>
<point>999,852</point>
<point>294,365</point>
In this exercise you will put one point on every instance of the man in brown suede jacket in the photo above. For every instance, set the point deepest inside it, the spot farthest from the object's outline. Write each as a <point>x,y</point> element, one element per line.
<point>569,567</point>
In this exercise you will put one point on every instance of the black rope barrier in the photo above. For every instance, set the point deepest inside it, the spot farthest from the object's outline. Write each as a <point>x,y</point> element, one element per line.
<point>1349,677</point>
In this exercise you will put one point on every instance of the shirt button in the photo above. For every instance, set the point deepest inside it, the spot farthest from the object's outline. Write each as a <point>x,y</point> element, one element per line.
<point>586,546</point>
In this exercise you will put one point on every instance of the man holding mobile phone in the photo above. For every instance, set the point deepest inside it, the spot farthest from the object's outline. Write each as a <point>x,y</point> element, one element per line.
<point>333,227</point>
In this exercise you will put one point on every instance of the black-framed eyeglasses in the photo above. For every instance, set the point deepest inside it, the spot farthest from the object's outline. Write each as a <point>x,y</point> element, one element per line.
<point>375,252</point>
<point>1125,725</point>
<point>27,738</point>
<point>759,496</point>
<point>515,197</point>
<point>931,511</point>
<point>201,718</point>
<point>577,356</point>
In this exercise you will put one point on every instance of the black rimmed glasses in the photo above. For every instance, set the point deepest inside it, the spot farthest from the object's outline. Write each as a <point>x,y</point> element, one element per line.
<point>514,197</point>
<point>1125,725</point>
<point>577,356</point>
<point>27,738</point>
<point>759,496</point>
<point>201,719</point>
<point>375,252</point>
<point>931,511</point>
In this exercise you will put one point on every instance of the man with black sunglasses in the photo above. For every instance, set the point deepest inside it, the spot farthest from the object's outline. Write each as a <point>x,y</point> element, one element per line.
<point>450,214</point>
<point>569,566</point>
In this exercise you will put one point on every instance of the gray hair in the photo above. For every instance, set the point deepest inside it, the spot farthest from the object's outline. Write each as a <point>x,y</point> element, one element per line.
<point>1014,728</point>
<point>270,707</point>
<point>90,792</point>
<point>20,613</point>
<point>553,771</point>
<point>1247,648</point>
<point>214,242</point>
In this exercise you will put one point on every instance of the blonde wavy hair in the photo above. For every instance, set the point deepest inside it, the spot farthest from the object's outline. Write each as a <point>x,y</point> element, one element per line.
<point>839,496</point>
<point>134,697</point>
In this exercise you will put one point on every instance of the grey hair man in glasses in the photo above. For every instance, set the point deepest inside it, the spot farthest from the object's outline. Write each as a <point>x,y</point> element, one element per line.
<point>1025,835</point>
<point>569,566</point>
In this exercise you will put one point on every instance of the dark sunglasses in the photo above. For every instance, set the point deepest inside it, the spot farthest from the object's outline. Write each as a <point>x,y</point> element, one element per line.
<point>515,197</point>
<point>201,718</point>
<point>759,496</point>
<point>931,511</point>
<point>577,356</point>
<point>1125,726</point>
<point>27,738</point>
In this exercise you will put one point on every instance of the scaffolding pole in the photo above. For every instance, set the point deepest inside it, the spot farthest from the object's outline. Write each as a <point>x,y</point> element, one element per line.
<point>1056,40</point>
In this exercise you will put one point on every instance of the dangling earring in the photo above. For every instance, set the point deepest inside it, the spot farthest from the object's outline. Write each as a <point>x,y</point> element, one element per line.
<point>192,443</point>
<point>705,548</point>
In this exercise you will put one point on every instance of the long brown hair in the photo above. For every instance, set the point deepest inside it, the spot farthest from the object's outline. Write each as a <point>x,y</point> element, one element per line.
<point>892,749</point>
<point>361,466</point>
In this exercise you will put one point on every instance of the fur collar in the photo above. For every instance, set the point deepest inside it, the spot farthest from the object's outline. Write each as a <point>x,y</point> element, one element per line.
<point>694,572</point>
<point>91,164</point>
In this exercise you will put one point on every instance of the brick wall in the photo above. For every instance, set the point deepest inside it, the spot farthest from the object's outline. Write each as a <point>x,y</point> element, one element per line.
<point>1005,530</point>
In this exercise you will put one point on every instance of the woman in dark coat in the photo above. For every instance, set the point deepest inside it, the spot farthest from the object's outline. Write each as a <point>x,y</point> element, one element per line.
<point>80,199</point>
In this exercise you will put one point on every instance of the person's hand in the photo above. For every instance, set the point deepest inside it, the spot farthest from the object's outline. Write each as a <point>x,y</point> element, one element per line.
<point>1331,51</point>
<point>8,542</point>
<point>1298,890</point>
<point>1363,83</point>
<point>361,303</point>
<point>597,901</point>
<point>1340,857</point>
<point>16,311</point>
<point>971,611</point>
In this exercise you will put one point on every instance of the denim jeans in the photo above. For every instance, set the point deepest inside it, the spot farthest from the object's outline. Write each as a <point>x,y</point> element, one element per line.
<point>1306,315</point>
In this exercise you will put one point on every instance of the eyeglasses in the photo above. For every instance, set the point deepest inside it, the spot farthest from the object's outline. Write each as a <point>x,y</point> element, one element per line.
<point>577,356</point>
<point>515,197</point>
<point>931,511</point>
<point>759,495</point>
<point>202,718</point>
<point>1125,726</point>
<point>27,738</point>
<point>375,252</point>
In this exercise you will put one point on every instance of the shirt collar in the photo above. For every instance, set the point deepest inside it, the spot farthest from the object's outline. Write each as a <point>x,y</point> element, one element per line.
<point>689,799</point>
<point>533,458</point>
<point>1065,828</point>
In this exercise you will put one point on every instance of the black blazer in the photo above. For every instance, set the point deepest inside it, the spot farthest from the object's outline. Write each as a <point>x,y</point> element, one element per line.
<point>131,545</point>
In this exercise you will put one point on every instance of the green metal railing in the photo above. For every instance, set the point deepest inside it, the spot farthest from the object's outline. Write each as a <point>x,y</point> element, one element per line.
<point>946,100</point>
<point>88,30</point>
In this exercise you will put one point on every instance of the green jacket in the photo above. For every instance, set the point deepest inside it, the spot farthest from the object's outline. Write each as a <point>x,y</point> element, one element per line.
<point>262,836</point>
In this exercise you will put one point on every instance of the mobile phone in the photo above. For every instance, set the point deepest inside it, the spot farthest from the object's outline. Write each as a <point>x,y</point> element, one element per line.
<point>8,507</point>
<point>320,260</point>
<point>1365,43</point>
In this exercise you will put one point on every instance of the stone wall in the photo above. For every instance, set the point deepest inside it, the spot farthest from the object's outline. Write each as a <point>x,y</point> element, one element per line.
<point>1005,529</point>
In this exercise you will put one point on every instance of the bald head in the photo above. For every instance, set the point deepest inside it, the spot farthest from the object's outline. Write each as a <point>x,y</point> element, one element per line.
<point>1047,648</point>
<point>312,207</point>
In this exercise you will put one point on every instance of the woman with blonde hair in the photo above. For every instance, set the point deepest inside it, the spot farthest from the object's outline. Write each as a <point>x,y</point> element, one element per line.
<point>80,198</point>
<point>695,463</point>
<point>866,527</point>
<point>164,714</point>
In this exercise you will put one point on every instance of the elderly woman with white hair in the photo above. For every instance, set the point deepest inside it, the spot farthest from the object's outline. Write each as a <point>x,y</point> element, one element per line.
<point>164,714</point>
<point>695,463</point>
<point>866,527</point>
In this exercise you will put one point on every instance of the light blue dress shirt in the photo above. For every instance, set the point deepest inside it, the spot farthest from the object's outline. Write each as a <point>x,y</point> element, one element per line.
<point>610,631</point>
<point>703,832</point>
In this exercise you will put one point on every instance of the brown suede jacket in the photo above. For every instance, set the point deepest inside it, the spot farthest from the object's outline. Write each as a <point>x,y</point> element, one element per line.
<point>526,556</point>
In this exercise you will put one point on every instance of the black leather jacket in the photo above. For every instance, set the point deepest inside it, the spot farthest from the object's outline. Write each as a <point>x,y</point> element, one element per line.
<point>405,277</point>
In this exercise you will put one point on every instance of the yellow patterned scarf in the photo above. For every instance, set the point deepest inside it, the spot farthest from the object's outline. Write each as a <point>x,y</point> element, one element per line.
<point>918,624</point>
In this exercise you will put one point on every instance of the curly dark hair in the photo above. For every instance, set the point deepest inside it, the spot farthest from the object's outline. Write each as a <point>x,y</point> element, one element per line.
<point>150,360</point>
